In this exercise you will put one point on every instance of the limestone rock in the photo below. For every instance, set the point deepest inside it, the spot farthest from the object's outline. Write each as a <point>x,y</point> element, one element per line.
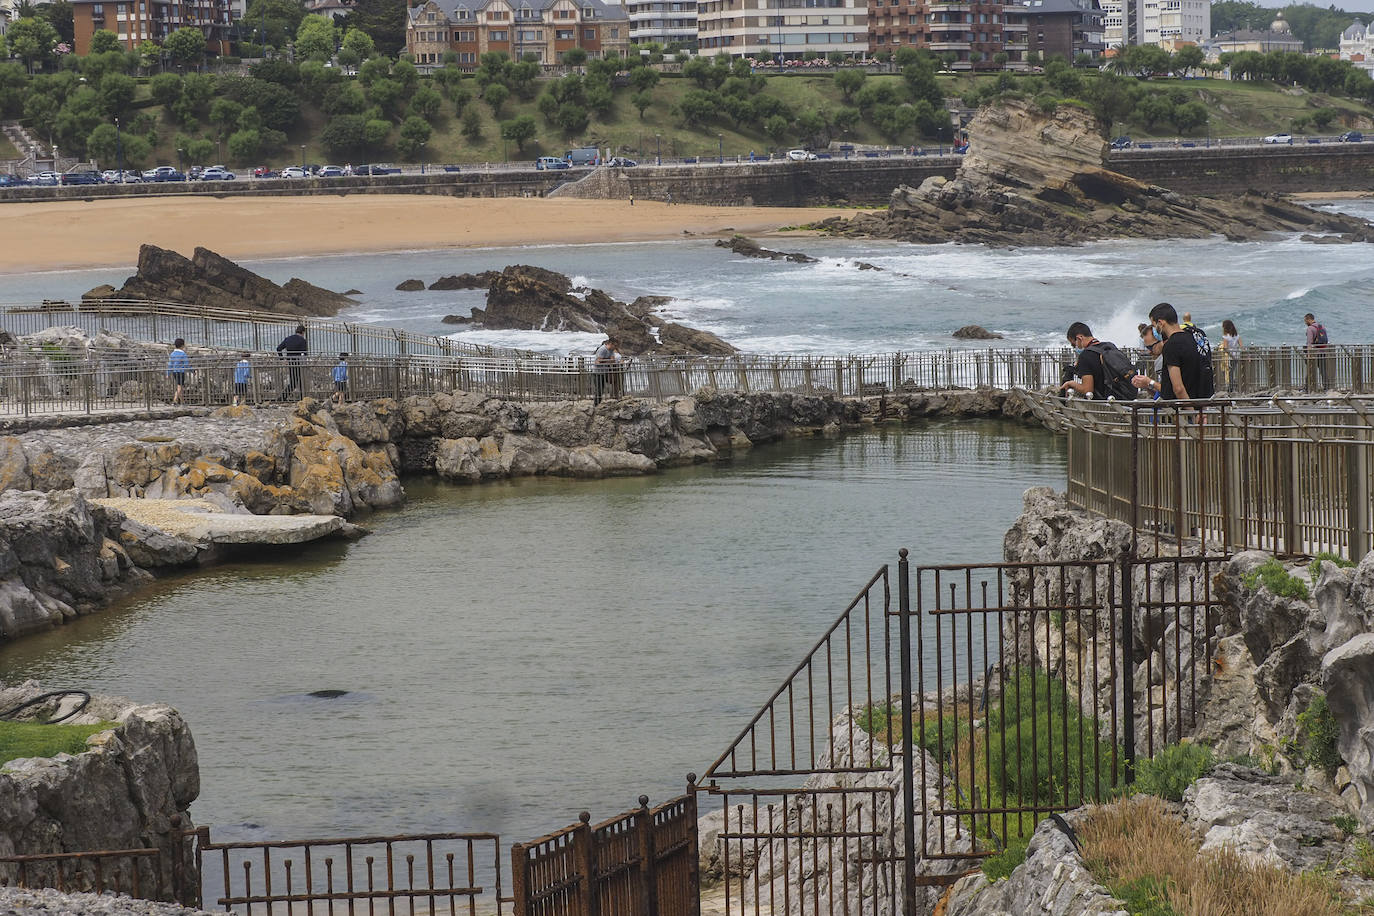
<point>749,248</point>
<point>975,332</point>
<point>480,280</point>
<point>410,286</point>
<point>210,280</point>
<point>1347,676</point>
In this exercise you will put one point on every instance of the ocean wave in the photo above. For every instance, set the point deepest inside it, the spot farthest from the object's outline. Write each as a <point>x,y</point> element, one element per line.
<point>1299,293</point>
<point>554,343</point>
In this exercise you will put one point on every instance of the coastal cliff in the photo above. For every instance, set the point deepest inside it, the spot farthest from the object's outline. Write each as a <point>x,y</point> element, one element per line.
<point>1032,178</point>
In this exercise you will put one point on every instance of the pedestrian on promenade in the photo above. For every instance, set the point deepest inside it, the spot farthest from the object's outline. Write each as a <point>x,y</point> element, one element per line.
<point>607,355</point>
<point>178,364</point>
<point>293,348</point>
<point>1231,346</point>
<point>1317,339</point>
<point>1187,355</point>
<point>243,374</point>
<point>1153,344</point>
<point>1102,371</point>
<point>340,380</point>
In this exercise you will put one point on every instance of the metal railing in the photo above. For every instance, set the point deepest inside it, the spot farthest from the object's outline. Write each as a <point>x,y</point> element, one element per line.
<point>1289,475</point>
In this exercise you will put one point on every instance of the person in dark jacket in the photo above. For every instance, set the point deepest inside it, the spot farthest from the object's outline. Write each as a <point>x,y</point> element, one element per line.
<point>293,348</point>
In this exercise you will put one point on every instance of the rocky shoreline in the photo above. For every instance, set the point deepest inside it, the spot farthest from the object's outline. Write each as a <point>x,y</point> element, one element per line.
<point>67,548</point>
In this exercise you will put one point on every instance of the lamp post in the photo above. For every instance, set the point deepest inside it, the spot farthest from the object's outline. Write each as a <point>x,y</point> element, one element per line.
<point>720,148</point>
<point>658,156</point>
<point>119,152</point>
<point>181,160</point>
<point>302,160</point>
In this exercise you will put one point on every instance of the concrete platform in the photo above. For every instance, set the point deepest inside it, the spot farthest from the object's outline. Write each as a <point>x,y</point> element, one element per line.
<point>197,520</point>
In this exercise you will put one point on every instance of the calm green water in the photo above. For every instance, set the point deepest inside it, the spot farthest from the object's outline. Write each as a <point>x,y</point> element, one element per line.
<point>518,652</point>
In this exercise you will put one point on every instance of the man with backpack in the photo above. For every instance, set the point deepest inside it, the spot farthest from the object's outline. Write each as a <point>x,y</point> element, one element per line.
<point>1317,340</point>
<point>1187,367</point>
<point>1102,371</point>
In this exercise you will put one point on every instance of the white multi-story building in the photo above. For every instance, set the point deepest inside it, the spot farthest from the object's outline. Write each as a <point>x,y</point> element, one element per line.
<point>1357,46</point>
<point>665,22</point>
<point>784,29</point>
<point>1151,22</point>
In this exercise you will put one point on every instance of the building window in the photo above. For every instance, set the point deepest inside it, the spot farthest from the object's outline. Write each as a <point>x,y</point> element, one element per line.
<point>467,57</point>
<point>590,34</point>
<point>615,33</point>
<point>497,35</point>
<point>98,9</point>
<point>563,34</point>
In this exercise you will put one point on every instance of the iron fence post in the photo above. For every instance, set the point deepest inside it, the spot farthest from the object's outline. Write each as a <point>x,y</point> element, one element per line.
<point>519,881</point>
<point>908,767</point>
<point>1127,665</point>
<point>585,856</point>
<point>648,877</point>
<point>1357,494</point>
<point>694,860</point>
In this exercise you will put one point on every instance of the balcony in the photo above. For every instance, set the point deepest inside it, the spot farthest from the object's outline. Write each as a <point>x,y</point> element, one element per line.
<point>943,45</point>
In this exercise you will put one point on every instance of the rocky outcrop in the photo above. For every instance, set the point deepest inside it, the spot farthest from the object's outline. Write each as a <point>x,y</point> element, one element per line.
<point>209,280</point>
<point>120,793</point>
<point>749,248</point>
<point>975,332</point>
<point>480,280</point>
<point>410,286</point>
<point>1032,178</point>
<point>531,298</point>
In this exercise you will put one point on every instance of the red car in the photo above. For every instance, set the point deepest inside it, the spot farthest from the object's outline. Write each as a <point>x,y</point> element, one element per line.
<point>263,171</point>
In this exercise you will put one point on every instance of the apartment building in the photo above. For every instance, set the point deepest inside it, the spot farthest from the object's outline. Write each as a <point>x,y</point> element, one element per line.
<point>782,29</point>
<point>663,22</point>
<point>137,21</point>
<point>548,29</point>
<point>1150,22</point>
<point>971,32</point>
<point>1066,28</point>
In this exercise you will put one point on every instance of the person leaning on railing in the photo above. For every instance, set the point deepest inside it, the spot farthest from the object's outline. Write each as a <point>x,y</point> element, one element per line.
<point>1153,344</point>
<point>1187,372</point>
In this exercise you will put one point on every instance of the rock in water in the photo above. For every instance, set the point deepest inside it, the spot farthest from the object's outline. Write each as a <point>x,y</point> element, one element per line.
<point>207,279</point>
<point>1032,178</point>
<point>410,286</point>
<point>743,245</point>
<point>976,332</point>
<point>328,694</point>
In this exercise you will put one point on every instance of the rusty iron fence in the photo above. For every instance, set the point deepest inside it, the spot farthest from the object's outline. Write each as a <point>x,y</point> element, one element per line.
<point>1290,475</point>
<point>429,873</point>
<point>133,872</point>
<point>915,739</point>
<point>639,863</point>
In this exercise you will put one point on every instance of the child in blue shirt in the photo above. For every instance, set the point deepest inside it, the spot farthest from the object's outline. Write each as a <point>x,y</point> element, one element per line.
<point>243,374</point>
<point>340,379</point>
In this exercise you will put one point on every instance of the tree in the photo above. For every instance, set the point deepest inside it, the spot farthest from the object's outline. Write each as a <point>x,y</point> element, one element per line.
<point>165,89</point>
<point>31,40</point>
<point>59,16</point>
<point>642,101</point>
<point>149,52</point>
<point>574,57</point>
<point>315,38</point>
<point>225,112</point>
<point>572,119</point>
<point>103,144</point>
<point>280,18</point>
<point>345,135</point>
<point>472,125</point>
<point>384,20</point>
<point>425,103</point>
<point>117,94</point>
<point>376,131</point>
<point>495,96</point>
<point>244,146</point>
<point>644,78</point>
<point>777,129</point>
<point>849,82</point>
<point>1187,59</point>
<point>415,133</point>
<point>358,42</point>
<point>698,106</point>
<point>386,95</point>
<point>601,100</point>
<point>186,45</point>
<point>447,79</point>
<point>103,40</point>
<point>521,130</point>
<point>1189,116</point>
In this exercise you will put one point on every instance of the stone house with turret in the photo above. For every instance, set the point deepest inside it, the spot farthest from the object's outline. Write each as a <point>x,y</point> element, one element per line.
<point>548,29</point>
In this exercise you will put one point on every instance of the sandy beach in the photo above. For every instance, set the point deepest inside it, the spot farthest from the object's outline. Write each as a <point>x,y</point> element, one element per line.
<point>106,233</point>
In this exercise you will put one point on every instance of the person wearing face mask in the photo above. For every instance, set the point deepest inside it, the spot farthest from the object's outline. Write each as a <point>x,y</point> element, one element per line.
<point>1187,370</point>
<point>1102,371</point>
<point>1152,344</point>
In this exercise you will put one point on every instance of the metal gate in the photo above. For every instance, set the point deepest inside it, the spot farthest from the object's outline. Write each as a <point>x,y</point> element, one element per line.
<point>991,696</point>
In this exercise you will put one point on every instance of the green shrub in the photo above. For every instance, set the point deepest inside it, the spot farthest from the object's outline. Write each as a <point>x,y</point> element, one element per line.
<point>1347,824</point>
<point>1272,575</point>
<point>1319,733</point>
<point>1171,771</point>
<point>1005,862</point>
<point>32,739</point>
<point>1315,567</point>
<point>1144,896</point>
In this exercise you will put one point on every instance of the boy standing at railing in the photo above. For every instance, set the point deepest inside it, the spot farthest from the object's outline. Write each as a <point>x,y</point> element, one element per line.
<point>178,364</point>
<point>340,380</point>
<point>243,373</point>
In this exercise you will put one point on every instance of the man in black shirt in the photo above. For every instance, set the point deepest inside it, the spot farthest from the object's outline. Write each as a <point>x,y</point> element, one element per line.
<point>1088,369</point>
<point>1187,371</point>
<point>293,348</point>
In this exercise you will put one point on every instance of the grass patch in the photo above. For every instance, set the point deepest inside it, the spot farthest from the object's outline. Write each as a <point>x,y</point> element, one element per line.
<point>1272,575</point>
<point>1005,862</point>
<point>31,739</point>
<point>1314,569</point>
<point>1319,732</point>
<point>1171,771</point>
<point>1148,857</point>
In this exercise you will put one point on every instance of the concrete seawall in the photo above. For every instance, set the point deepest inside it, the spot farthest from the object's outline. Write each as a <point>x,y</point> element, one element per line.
<point>1216,170</point>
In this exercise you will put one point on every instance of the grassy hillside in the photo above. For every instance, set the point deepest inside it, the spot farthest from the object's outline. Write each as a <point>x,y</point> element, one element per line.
<point>1236,109</point>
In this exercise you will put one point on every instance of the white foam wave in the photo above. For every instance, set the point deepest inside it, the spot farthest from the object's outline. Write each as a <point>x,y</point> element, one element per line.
<point>1300,292</point>
<point>558,343</point>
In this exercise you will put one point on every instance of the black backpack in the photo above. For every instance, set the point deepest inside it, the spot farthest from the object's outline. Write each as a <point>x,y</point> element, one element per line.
<point>1320,339</point>
<point>1206,385</point>
<point>1118,369</point>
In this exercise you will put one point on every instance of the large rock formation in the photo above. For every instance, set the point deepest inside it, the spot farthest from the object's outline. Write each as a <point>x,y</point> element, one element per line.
<point>122,792</point>
<point>1032,178</point>
<point>531,298</point>
<point>209,280</point>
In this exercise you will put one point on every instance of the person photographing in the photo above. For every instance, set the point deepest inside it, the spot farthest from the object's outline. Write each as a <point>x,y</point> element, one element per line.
<point>1102,371</point>
<point>1186,371</point>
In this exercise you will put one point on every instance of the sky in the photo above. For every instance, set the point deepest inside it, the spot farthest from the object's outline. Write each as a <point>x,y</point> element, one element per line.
<point>1350,6</point>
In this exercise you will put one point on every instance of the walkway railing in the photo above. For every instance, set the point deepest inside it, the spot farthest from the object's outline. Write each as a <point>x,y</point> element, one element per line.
<point>1290,475</point>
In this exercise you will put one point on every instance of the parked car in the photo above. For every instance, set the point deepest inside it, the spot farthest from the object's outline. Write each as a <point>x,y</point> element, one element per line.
<point>550,163</point>
<point>800,155</point>
<point>1279,138</point>
<point>453,168</point>
<point>6,180</point>
<point>621,162</point>
<point>1351,136</point>
<point>293,171</point>
<point>1121,143</point>
<point>84,176</point>
<point>110,176</point>
<point>46,179</point>
<point>331,171</point>
<point>130,177</point>
<point>164,173</point>
<point>194,172</point>
<point>263,171</point>
<point>376,170</point>
<point>217,173</point>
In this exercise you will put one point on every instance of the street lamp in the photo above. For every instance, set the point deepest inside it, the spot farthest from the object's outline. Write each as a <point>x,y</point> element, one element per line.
<point>720,148</point>
<point>302,159</point>
<point>181,160</point>
<point>119,152</point>
<point>658,156</point>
